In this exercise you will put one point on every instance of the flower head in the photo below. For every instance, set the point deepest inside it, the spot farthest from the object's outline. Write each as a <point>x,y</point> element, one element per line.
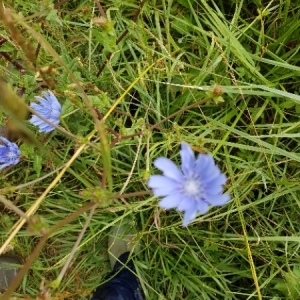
<point>9,153</point>
<point>49,108</point>
<point>192,189</point>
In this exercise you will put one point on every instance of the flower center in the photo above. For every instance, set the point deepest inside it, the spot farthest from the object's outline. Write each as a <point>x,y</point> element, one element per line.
<point>192,187</point>
<point>10,155</point>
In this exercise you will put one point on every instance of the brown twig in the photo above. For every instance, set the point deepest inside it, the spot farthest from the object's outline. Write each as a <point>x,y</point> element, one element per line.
<point>2,40</point>
<point>58,4</point>
<point>102,12</point>
<point>100,117</point>
<point>8,204</point>
<point>38,48</point>
<point>13,62</point>
<point>155,126</point>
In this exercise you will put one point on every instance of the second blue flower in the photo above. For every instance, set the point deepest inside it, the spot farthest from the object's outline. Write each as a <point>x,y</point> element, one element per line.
<point>49,108</point>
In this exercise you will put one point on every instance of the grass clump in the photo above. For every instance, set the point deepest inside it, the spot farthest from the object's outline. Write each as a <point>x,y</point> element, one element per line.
<point>134,80</point>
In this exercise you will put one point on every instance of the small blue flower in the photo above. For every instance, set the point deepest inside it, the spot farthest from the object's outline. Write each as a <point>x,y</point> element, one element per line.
<point>9,153</point>
<point>192,189</point>
<point>49,108</point>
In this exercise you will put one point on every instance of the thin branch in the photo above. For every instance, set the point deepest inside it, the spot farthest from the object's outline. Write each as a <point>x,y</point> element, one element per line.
<point>38,48</point>
<point>21,186</point>
<point>2,40</point>
<point>57,5</point>
<point>155,126</point>
<point>12,207</point>
<point>13,62</point>
<point>75,247</point>
<point>102,12</point>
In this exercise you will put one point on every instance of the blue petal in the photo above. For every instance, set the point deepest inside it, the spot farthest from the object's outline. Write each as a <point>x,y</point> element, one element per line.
<point>55,114</point>
<point>56,122</point>
<point>168,168</point>
<point>3,150</point>
<point>49,108</point>
<point>5,141</point>
<point>43,126</point>
<point>9,160</point>
<point>9,153</point>
<point>3,159</point>
<point>47,96</point>
<point>201,162</point>
<point>46,128</point>
<point>186,203</point>
<point>202,207</point>
<point>43,102</point>
<point>221,180</point>
<point>206,168</point>
<point>14,161</point>
<point>54,102</point>
<point>212,174</point>
<point>187,159</point>
<point>215,186</point>
<point>161,185</point>
<point>170,201</point>
<point>36,121</point>
<point>43,111</point>
<point>14,146</point>
<point>217,200</point>
<point>189,215</point>
<point>4,166</point>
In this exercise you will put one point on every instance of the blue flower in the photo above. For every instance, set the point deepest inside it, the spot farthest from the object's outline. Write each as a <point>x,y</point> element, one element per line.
<point>192,189</point>
<point>49,108</point>
<point>9,153</point>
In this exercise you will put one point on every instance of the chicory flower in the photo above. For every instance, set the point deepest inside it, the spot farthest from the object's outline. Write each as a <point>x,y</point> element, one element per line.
<point>9,153</point>
<point>49,108</point>
<point>192,189</point>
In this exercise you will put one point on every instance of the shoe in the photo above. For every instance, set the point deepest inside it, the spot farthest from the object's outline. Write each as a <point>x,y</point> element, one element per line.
<point>122,239</point>
<point>9,266</point>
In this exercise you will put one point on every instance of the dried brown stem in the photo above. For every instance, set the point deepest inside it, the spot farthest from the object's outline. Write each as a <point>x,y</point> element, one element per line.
<point>102,12</point>
<point>2,40</point>
<point>13,62</point>
<point>120,137</point>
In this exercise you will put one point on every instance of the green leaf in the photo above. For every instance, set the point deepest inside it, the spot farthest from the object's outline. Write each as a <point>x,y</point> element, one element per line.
<point>37,164</point>
<point>67,107</point>
<point>27,150</point>
<point>290,286</point>
<point>100,101</point>
<point>105,39</point>
<point>185,3</point>
<point>53,17</point>
<point>296,271</point>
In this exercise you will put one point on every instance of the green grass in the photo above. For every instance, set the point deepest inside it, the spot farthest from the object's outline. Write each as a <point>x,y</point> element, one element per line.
<point>174,55</point>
